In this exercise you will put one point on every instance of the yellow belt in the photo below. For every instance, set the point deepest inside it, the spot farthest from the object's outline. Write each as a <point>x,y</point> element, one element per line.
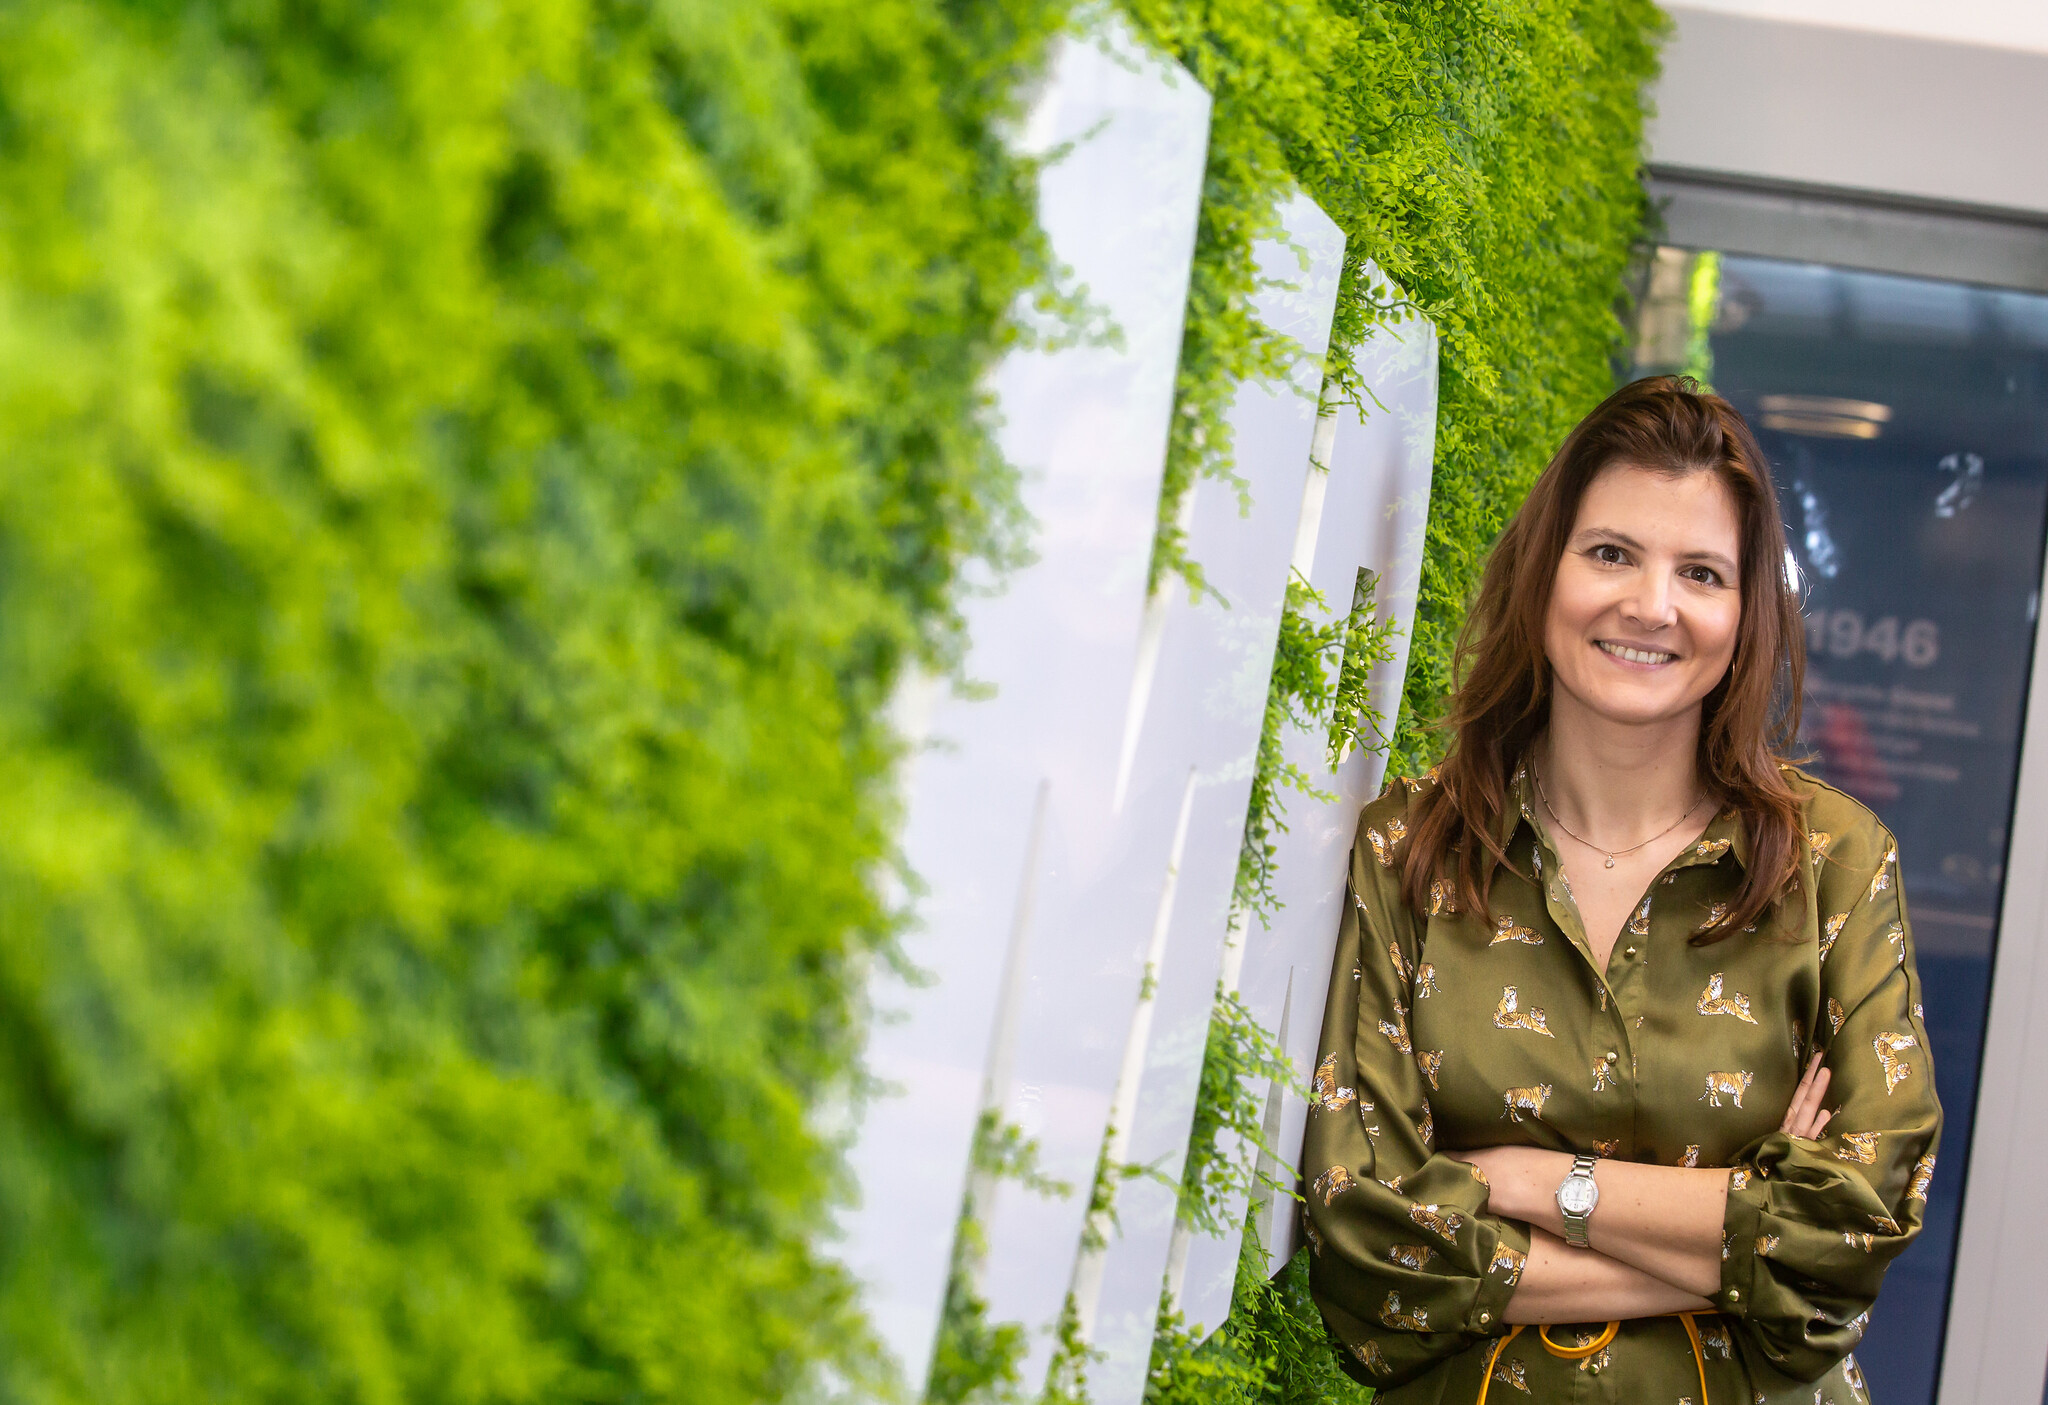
<point>1579,1353</point>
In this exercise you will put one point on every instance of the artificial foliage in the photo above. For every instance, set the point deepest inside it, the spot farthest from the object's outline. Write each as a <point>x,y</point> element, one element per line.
<point>469,473</point>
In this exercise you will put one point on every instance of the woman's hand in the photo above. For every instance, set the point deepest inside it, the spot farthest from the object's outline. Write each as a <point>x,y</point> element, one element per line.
<point>1805,1117</point>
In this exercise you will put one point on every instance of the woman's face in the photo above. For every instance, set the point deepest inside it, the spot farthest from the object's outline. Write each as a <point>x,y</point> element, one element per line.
<point>1647,599</point>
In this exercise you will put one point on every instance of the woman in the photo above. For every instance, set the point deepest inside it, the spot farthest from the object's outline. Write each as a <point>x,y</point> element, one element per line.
<point>1616,958</point>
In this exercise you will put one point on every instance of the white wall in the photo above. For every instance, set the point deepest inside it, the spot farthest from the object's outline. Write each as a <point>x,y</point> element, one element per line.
<point>1900,98</point>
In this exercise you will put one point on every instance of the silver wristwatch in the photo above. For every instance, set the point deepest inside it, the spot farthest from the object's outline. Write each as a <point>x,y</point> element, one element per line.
<point>1576,1196</point>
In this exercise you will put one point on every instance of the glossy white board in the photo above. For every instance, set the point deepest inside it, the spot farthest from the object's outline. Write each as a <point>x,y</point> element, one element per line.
<point>1008,794</point>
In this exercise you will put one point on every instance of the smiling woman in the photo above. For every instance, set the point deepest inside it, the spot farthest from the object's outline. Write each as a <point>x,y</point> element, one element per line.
<point>1624,1028</point>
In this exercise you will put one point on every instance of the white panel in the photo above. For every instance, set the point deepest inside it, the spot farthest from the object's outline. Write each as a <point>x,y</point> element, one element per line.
<point>1997,1347</point>
<point>1051,656</point>
<point>1999,24</point>
<point>1206,703</point>
<point>1374,510</point>
<point>1824,106</point>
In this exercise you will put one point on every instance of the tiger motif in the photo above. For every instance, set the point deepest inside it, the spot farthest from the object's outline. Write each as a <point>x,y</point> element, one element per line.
<point>1396,1031</point>
<point>1431,1061</point>
<point>1425,981</point>
<point>1513,1373</point>
<point>1505,930</point>
<point>1603,1074</point>
<point>1609,1148</point>
<point>1710,848</point>
<point>1597,1362</point>
<point>1885,1224</point>
<point>1713,1002</point>
<point>1639,924</point>
<point>1819,841</point>
<point>1765,1244</point>
<point>1443,1223</point>
<point>1393,1183</point>
<point>1691,1159</point>
<point>1333,1183</point>
<point>1858,1148</point>
<point>1381,849</point>
<point>1883,878</point>
<point>1391,1314</point>
<point>1853,1374</point>
<point>1730,1084</point>
<point>1923,1177</point>
<point>1400,961</point>
<point>1328,1095</point>
<point>1443,898</point>
<point>1862,1240</point>
<point>1415,1256</point>
<point>1529,1100</point>
<point>1507,1256</point>
<point>1397,830</point>
<point>1508,1014</point>
<point>1311,1233</point>
<point>1829,932</point>
<point>1836,1014</point>
<point>1889,1046</point>
<point>1713,918</point>
<point>1428,1127</point>
<point>1368,1355</point>
<point>1738,1179</point>
<point>1714,1338</point>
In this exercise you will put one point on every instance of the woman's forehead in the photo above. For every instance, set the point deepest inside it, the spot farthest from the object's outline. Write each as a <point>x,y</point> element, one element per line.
<point>1695,510</point>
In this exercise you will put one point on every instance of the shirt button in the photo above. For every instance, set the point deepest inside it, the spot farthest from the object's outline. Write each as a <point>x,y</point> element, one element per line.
<point>1613,1056</point>
<point>1484,1318</point>
<point>1631,951</point>
<point>1734,1295</point>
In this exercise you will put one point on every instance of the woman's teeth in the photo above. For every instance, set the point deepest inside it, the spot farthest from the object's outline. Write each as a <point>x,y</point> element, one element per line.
<point>1622,651</point>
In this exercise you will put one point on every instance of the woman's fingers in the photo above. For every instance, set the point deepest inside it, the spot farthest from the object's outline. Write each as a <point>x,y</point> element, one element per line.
<point>1804,1117</point>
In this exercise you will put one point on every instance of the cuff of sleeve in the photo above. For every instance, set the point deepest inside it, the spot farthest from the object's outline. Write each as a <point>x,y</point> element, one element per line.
<point>1488,1315</point>
<point>1741,1225</point>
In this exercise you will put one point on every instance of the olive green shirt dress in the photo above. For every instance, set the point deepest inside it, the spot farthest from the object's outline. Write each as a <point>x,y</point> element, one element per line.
<point>1449,1030</point>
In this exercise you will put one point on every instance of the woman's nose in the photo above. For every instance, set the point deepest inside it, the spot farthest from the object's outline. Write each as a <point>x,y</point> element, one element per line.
<point>1650,600</point>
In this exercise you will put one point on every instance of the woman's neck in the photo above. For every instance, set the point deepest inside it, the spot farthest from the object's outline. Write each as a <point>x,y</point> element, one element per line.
<point>1617,783</point>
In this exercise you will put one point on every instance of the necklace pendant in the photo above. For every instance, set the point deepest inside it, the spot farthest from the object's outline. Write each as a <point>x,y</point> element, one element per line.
<point>1610,861</point>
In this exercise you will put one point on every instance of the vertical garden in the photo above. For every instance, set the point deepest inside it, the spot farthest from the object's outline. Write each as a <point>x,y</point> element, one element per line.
<point>473,473</point>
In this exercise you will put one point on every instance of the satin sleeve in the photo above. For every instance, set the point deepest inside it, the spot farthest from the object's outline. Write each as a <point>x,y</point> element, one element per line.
<point>1406,1265</point>
<point>1811,1225</point>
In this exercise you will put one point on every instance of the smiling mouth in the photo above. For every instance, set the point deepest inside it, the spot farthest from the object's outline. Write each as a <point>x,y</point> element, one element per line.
<point>1628,655</point>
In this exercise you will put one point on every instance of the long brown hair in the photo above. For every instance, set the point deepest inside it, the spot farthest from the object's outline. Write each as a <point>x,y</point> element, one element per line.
<point>1502,700</point>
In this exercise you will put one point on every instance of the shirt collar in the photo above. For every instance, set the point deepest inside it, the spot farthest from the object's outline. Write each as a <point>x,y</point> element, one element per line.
<point>1726,835</point>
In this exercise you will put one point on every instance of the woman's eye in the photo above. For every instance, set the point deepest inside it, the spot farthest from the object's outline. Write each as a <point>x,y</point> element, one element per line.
<point>1609,554</point>
<point>1705,575</point>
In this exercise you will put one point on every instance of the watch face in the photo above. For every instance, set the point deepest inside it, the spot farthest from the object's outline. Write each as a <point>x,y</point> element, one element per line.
<point>1577,1194</point>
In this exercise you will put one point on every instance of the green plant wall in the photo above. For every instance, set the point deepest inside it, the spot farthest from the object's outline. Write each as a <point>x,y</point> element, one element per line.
<point>469,473</point>
<point>1485,156</point>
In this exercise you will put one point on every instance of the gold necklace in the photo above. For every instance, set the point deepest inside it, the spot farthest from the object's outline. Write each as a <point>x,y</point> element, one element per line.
<point>1551,811</point>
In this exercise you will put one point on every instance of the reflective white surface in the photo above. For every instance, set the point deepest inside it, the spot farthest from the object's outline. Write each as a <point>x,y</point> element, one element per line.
<point>1373,511</point>
<point>1052,653</point>
<point>1200,727</point>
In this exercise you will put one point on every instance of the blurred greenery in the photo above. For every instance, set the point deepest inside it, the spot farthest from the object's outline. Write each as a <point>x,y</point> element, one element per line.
<point>472,470</point>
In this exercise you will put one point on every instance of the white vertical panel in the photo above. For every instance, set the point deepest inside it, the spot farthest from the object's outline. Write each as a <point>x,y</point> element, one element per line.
<point>1051,656</point>
<point>1996,1351</point>
<point>1206,703</point>
<point>1373,511</point>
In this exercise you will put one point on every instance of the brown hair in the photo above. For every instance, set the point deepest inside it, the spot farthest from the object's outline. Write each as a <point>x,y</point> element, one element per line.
<point>1502,700</point>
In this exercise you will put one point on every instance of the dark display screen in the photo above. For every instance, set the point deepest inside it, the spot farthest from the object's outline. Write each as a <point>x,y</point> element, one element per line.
<point>1907,424</point>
